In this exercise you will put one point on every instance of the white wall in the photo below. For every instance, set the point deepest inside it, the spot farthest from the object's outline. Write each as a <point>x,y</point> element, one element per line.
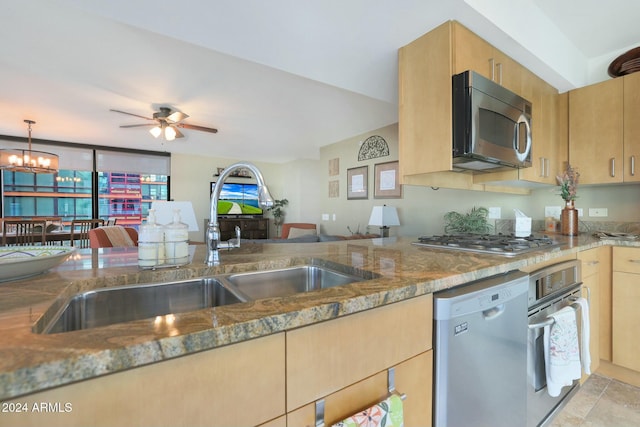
<point>421,209</point>
<point>296,181</point>
<point>305,184</point>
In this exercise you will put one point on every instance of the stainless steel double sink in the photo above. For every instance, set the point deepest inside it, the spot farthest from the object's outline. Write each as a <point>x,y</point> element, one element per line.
<point>108,306</point>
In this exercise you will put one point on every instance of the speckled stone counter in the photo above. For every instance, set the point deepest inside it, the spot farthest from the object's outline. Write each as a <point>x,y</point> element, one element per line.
<point>31,362</point>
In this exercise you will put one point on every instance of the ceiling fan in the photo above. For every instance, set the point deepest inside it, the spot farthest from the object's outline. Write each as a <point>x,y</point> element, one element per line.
<point>166,122</point>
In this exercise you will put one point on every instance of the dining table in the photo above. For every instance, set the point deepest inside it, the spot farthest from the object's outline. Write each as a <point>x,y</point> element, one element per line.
<point>50,237</point>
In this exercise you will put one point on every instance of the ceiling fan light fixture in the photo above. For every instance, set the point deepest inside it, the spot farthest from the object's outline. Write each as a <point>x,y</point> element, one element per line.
<point>169,133</point>
<point>155,131</point>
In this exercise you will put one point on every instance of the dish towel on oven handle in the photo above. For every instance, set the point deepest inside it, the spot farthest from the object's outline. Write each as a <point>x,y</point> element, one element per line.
<point>388,413</point>
<point>586,333</point>
<point>561,353</point>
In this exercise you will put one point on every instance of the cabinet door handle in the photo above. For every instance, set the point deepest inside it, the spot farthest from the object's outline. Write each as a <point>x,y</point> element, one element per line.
<point>633,165</point>
<point>499,73</point>
<point>548,169</point>
<point>542,172</point>
<point>613,166</point>
<point>590,263</point>
<point>635,261</point>
<point>492,64</point>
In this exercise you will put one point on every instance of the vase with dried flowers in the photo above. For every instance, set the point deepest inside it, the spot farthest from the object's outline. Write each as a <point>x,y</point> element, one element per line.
<point>568,182</point>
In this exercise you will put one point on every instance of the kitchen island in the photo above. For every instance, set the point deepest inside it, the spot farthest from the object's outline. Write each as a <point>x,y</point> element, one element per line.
<point>32,362</point>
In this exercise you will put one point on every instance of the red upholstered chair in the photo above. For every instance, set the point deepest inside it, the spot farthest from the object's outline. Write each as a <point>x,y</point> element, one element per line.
<point>112,237</point>
<point>286,228</point>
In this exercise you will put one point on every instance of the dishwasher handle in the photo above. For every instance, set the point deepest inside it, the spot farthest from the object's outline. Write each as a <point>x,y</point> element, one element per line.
<point>493,312</point>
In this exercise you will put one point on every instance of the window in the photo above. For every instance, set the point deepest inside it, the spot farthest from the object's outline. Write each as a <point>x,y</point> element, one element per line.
<point>122,191</point>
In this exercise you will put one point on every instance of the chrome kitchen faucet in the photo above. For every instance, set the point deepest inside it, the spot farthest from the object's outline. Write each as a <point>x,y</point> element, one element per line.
<point>213,231</point>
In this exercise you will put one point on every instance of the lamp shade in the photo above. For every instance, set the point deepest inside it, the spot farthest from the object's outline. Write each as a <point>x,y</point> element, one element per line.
<point>164,213</point>
<point>384,216</point>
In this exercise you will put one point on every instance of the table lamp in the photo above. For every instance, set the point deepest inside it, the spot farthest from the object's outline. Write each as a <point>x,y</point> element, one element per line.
<point>383,217</point>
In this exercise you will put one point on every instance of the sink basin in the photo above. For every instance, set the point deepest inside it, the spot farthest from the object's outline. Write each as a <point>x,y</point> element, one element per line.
<point>109,306</point>
<point>291,280</point>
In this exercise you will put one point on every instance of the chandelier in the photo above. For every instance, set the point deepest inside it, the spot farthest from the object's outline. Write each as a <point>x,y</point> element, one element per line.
<point>21,160</point>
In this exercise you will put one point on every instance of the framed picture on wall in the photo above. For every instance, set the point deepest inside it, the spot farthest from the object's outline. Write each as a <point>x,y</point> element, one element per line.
<point>386,181</point>
<point>358,183</point>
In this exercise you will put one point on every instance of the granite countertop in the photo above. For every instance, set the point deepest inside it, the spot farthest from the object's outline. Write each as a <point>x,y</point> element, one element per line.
<point>31,362</point>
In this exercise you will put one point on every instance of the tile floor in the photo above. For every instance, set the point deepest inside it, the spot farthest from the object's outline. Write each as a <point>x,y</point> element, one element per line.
<point>601,402</point>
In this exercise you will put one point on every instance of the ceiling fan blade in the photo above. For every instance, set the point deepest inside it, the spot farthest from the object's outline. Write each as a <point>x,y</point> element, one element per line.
<point>131,114</point>
<point>177,116</point>
<point>178,133</point>
<point>196,127</point>
<point>135,126</point>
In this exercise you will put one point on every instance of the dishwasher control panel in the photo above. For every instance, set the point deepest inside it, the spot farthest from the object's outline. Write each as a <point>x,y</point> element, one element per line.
<point>479,296</point>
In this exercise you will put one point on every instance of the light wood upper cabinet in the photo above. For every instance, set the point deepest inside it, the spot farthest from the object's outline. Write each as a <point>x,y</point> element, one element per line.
<point>550,148</point>
<point>470,52</point>
<point>426,66</point>
<point>596,132</point>
<point>425,122</point>
<point>631,128</point>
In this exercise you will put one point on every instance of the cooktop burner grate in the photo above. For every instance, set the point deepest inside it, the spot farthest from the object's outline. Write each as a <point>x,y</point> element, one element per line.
<point>496,244</point>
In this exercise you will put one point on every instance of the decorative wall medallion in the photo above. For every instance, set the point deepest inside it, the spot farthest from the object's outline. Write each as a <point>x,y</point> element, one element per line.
<point>373,147</point>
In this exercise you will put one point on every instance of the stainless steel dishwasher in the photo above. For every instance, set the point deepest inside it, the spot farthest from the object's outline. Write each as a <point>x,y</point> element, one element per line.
<point>480,345</point>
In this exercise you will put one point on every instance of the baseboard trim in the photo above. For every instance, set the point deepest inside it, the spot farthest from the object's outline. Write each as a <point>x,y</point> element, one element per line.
<point>619,373</point>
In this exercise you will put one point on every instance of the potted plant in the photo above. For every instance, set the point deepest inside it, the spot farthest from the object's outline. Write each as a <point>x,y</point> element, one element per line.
<point>278,213</point>
<point>474,222</point>
<point>568,182</point>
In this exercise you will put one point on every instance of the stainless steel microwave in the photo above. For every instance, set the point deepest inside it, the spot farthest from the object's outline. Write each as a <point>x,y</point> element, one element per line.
<point>491,125</point>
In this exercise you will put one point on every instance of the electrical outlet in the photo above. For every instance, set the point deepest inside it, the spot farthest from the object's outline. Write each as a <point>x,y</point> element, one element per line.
<point>494,213</point>
<point>598,212</point>
<point>552,211</point>
<point>580,211</point>
<point>325,217</point>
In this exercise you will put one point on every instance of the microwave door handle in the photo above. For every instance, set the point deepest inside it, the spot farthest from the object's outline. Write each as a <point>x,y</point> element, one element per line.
<point>522,120</point>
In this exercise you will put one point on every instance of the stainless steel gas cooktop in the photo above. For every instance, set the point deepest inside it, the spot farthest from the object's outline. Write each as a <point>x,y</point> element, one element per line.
<point>495,244</point>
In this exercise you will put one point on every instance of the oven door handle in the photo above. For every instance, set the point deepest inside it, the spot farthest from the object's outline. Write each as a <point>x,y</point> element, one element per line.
<point>550,320</point>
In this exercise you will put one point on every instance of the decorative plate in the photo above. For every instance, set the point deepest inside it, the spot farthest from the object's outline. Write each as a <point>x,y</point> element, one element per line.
<point>18,262</point>
<point>627,63</point>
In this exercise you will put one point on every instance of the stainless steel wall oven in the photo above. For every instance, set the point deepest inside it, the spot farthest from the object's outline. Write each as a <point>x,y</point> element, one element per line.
<point>550,289</point>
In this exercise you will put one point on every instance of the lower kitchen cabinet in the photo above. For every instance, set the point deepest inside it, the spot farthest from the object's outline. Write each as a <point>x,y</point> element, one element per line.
<point>331,359</point>
<point>595,273</point>
<point>412,378</point>
<point>236,385</point>
<point>625,315</point>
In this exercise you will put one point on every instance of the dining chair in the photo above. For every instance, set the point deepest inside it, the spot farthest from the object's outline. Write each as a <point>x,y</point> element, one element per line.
<point>22,232</point>
<point>111,222</point>
<point>80,231</point>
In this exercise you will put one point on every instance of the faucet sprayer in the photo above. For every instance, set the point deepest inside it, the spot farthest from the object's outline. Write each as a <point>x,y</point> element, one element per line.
<point>213,231</point>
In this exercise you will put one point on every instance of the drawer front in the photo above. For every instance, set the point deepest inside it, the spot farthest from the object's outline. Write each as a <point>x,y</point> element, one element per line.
<point>329,356</point>
<point>626,260</point>
<point>590,262</point>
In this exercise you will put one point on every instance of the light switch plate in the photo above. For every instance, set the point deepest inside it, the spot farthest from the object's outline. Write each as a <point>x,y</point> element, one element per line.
<point>494,213</point>
<point>598,212</point>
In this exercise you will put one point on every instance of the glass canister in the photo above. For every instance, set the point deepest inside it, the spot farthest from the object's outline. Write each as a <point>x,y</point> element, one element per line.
<point>176,241</point>
<point>151,250</point>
